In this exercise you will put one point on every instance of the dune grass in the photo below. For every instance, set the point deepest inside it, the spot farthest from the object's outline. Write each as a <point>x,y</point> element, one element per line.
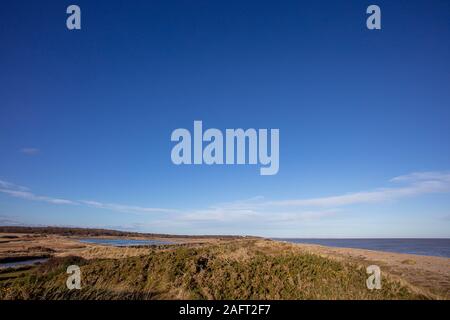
<point>235,270</point>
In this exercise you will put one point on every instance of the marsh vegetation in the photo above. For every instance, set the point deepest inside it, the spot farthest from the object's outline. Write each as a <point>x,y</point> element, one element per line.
<point>239,269</point>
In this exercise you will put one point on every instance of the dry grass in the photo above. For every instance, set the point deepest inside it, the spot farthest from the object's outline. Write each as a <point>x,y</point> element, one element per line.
<point>424,274</point>
<point>241,269</point>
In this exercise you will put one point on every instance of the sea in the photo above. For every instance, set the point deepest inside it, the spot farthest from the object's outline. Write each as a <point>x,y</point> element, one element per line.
<point>426,247</point>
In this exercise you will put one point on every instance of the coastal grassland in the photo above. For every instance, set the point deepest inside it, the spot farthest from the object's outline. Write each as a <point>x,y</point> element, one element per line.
<point>240,269</point>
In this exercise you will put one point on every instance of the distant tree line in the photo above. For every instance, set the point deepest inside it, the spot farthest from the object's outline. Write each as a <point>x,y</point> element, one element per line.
<point>99,232</point>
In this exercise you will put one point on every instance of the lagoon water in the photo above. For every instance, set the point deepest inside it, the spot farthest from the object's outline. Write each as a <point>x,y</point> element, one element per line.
<point>124,242</point>
<point>426,247</point>
<point>22,263</point>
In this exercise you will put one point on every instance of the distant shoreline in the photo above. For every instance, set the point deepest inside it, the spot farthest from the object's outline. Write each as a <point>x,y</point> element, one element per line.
<point>98,232</point>
<point>433,247</point>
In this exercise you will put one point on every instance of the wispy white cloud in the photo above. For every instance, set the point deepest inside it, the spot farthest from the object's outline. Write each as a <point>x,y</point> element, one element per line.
<point>424,176</point>
<point>125,208</point>
<point>417,183</point>
<point>30,151</point>
<point>17,191</point>
<point>256,215</point>
<point>9,221</point>
<point>8,185</point>
<point>31,196</point>
<point>259,210</point>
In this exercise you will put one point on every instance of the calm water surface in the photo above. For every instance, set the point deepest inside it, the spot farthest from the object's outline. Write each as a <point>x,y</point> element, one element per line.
<point>124,242</point>
<point>426,247</point>
<point>22,263</point>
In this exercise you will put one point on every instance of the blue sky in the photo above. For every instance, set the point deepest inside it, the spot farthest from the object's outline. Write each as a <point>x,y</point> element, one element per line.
<point>86,116</point>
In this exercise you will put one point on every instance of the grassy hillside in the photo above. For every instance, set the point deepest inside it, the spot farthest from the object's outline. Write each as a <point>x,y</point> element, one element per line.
<point>245,269</point>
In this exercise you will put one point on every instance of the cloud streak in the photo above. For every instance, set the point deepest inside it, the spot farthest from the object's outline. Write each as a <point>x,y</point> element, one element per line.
<point>8,185</point>
<point>125,208</point>
<point>258,209</point>
<point>30,151</point>
<point>21,192</point>
<point>418,183</point>
<point>30,196</point>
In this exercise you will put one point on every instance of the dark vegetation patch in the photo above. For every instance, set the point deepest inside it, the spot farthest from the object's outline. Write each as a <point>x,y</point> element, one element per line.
<point>20,258</point>
<point>9,237</point>
<point>102,232</point>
